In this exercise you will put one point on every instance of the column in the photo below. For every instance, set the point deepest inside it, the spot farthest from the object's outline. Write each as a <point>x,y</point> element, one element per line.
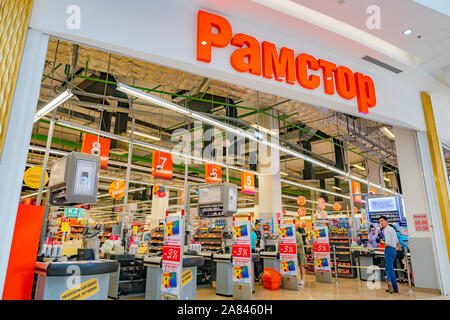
<point>269,197</point>
<point>421,244</point>
<point>24,52</point>
<point>159,208</point>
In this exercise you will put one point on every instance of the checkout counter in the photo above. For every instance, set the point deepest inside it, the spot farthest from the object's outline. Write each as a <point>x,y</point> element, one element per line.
<point>129,279</point>
<point>54,278</point>
<point>153,265</point>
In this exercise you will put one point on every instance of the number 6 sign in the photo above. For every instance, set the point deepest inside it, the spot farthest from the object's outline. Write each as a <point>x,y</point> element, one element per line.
<point>213,173</point>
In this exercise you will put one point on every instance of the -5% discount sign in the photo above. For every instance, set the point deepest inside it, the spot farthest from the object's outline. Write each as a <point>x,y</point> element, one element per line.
<point>171,253</point>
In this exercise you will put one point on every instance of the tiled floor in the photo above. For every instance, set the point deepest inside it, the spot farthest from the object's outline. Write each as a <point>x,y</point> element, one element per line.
<point>346,289</point>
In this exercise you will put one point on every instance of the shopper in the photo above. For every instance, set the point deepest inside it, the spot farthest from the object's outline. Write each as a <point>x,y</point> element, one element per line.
<point>402,240</point>
<point>301,257</point>
<point>256,247</point>
<point>373,237</point>
<point>390,253</point>
<point>303,232</point>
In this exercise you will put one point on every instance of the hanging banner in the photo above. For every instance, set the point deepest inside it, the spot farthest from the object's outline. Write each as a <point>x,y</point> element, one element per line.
<point>162,165</point>
<point>337,206</point>
<point>98,146</point>
<point>266,226</point>
<point>301,201</point>
<point>242,252</point>
<point>356,189</point>
<point>172,260</point>
<point>74,212</point>
<point>213,173</point>
<point>288,249</point>
<point>321,247</point>
<point>117,189</point>
<point>321,203</point>
<point>301,211</point>
<point>247,182</point>
<point>32,177</point>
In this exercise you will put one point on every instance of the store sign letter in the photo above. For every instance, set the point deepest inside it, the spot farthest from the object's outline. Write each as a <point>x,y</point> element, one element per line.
<point>265,60</point>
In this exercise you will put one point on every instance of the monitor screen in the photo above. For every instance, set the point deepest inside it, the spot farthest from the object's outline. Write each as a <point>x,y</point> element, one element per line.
<point>382,204</point>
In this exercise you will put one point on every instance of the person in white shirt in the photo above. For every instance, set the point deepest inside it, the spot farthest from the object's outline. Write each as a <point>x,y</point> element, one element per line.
<point>391,245</point>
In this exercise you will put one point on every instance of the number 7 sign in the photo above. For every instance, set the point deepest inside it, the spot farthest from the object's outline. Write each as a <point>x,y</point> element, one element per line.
<point>162,165</point>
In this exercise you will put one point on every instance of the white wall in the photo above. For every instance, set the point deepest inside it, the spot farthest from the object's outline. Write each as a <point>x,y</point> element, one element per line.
<point>164,32</point>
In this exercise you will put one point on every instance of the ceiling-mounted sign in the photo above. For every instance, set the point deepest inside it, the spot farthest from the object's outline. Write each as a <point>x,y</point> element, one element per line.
<point>321,203</point>
<point>117,189</point>
<point>32,177</point>
<point>264,59</point>
<point>301,211</point>
<point>162,165</point>
<point>213,173</point>
<point>337,206</point>
<point>356,189</point>
<point>247,182</point>
<point>74,212</point>
<point>98,146</point>
<point>301,201</point>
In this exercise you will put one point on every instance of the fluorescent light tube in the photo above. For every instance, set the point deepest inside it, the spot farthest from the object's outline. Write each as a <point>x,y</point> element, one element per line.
<point>53,104</point>
<point>357,166</point>
<point>337,188</point>
<point>388,132</point>
<point>145,135</point>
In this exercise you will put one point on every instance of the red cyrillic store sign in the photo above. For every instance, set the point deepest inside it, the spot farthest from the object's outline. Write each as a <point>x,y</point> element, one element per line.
<point>264,59</point>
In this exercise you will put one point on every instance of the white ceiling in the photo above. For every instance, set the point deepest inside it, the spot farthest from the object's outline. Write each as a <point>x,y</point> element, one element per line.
<point>429,41</point>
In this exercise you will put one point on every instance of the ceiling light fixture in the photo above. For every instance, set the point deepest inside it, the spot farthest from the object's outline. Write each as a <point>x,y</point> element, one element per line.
<point>337,188</point>
<point>407,31</point>
<point>388,132</point>
<point>357,166</point>
<point>145,135</point>
<point>260,128</point>
<point>53,104</point>
<point>387,179</point>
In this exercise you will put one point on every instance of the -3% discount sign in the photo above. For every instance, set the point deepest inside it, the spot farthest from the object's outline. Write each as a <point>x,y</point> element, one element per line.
<point>288,248</point>
<point>171,253</point>
<point>241,251</point>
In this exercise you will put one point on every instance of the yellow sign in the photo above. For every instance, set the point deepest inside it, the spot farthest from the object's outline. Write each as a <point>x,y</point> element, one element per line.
<point>117,189</point>
<point>135,229</point>
<point>32,177</point>
<point>83,291</point>
<point>65,226</point>
<point>186,277</point>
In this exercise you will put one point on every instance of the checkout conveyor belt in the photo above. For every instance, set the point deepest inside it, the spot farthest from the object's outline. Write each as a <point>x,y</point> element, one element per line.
<point>53,279</point>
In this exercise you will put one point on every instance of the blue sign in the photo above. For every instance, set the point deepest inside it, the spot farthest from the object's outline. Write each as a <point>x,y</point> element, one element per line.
<point>74,212</point>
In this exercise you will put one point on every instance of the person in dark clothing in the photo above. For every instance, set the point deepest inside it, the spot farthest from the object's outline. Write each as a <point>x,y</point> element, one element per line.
<point>258,269</point>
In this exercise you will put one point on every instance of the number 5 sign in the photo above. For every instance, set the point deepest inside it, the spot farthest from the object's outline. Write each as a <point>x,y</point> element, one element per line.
<point>162,165</point>
<point>247,182</point>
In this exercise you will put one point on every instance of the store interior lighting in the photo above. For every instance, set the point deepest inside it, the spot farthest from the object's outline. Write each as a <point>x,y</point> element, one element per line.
<point>144,135</point>
<point>388,132</point>
<point>357,166</point>
<point>163,103</point>
<point>61,98</point>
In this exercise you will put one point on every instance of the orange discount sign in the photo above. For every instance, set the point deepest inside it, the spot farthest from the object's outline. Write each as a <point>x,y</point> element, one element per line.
<point>356,189</point>
<point>98,146</point>
<point>301,211</point>
<point>117,189</point>
<point>301,201</point>
<point>321,203</point>
<point>162,165</point>
<point>247,182</point>
<point>337,206</point>
<point>213,173</point>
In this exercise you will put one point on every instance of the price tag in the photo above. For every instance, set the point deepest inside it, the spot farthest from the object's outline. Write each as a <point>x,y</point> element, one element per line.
<point>65,226</point>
